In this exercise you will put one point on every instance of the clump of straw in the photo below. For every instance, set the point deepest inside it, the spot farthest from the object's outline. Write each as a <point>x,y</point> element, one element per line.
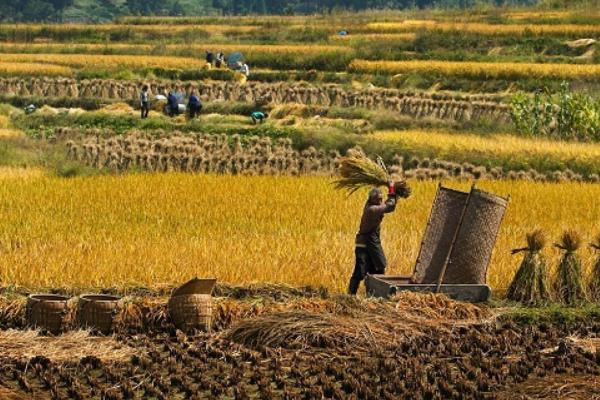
<point>595,278</point>
<point>357,171</point>
<point>569,278</point>
<point>530,284</point>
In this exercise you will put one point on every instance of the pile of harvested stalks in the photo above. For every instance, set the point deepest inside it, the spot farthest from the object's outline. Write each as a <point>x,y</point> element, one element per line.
<point>358,171</point>
<point>530,284</point>
<point>438,307</point>
<point>347,324</point>
<point>569,285</point>
<point>12,312</point>
<point>301,330</point>
<point>71,346</point>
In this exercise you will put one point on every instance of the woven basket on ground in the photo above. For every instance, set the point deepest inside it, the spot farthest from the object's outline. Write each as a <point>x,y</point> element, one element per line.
<point>191,311</point>
<point>46,312</point>
<point>190,305</point>
<point>97,311</point>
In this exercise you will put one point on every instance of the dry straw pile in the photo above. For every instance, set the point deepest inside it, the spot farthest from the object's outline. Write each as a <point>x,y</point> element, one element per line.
<point>68,347</point>
<point>352,325</point>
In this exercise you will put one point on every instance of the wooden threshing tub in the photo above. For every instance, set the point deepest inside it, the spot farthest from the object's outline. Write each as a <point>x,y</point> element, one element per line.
<point>456,248</point>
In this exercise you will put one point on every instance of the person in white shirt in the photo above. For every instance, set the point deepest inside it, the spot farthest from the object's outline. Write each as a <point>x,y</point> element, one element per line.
<point>245,70</point>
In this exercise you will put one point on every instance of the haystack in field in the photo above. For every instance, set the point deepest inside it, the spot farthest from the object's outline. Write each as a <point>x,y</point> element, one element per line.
<point>595,278</point>
<point>117,108</point>
<point>357,171</point>
<point>569,285</point>
<point>530,284</point>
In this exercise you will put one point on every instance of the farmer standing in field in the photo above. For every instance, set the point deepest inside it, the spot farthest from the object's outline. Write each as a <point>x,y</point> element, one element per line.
<point>370,258</point>
<point>144,101</point>
<point>194,105</point>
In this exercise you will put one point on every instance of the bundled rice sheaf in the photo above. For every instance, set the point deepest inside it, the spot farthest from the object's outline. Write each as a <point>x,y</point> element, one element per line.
<point>595,278</point>
<point>530,284</point>
<point>358,171</point>
<point>569,286</point>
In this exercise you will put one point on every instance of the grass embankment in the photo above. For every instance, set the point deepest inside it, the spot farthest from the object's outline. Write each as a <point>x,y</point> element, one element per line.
<point>170,227</point>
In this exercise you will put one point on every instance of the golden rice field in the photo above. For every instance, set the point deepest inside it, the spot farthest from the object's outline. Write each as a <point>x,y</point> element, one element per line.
<point>33,69</point>
<point>126,48</point>
<point>9,133</point>
<point>480,70</point>
<point>165,228</point>
<point>149,28</point>
<point>448,144</point>
<point>378,37</point>
<point>485,28</point>
<point>97,60</point>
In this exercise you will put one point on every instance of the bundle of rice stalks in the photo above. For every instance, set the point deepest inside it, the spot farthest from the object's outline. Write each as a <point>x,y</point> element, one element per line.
<point>530,284</point>
<point>595,278</point>
<point>569,285</point>
<point>357,171</point>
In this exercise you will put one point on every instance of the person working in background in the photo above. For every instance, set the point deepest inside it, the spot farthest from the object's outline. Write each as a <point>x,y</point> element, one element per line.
<point>258,116</point>
<point>220,59</point>
<point>370,258</point>
<point>209,57</point>
<point>194,105</point>
<point>173,104</point>
<point>245,70</point>
<point>144,104</point>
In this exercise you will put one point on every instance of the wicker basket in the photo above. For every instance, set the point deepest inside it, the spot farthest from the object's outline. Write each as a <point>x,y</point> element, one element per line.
<point>195,286</point>
<point>441,227</point>
<point>476,234</point>
<point>476,238</point>
<point>97,312</point>
<point>191,311</point>
<point>46,312</point>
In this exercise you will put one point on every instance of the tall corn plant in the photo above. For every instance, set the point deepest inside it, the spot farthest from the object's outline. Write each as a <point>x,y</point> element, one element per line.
<point>563,115</point>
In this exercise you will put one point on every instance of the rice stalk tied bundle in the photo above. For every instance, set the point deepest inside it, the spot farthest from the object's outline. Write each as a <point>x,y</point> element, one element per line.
<point>358,171</point>
<point>595,278</point>
<point>530,284</point>
<point>569,285</point>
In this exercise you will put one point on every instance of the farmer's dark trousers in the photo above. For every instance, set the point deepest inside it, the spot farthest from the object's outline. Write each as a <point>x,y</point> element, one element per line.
<point>369,260</point>
<point>145,109</point>
<point>194,111</point>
